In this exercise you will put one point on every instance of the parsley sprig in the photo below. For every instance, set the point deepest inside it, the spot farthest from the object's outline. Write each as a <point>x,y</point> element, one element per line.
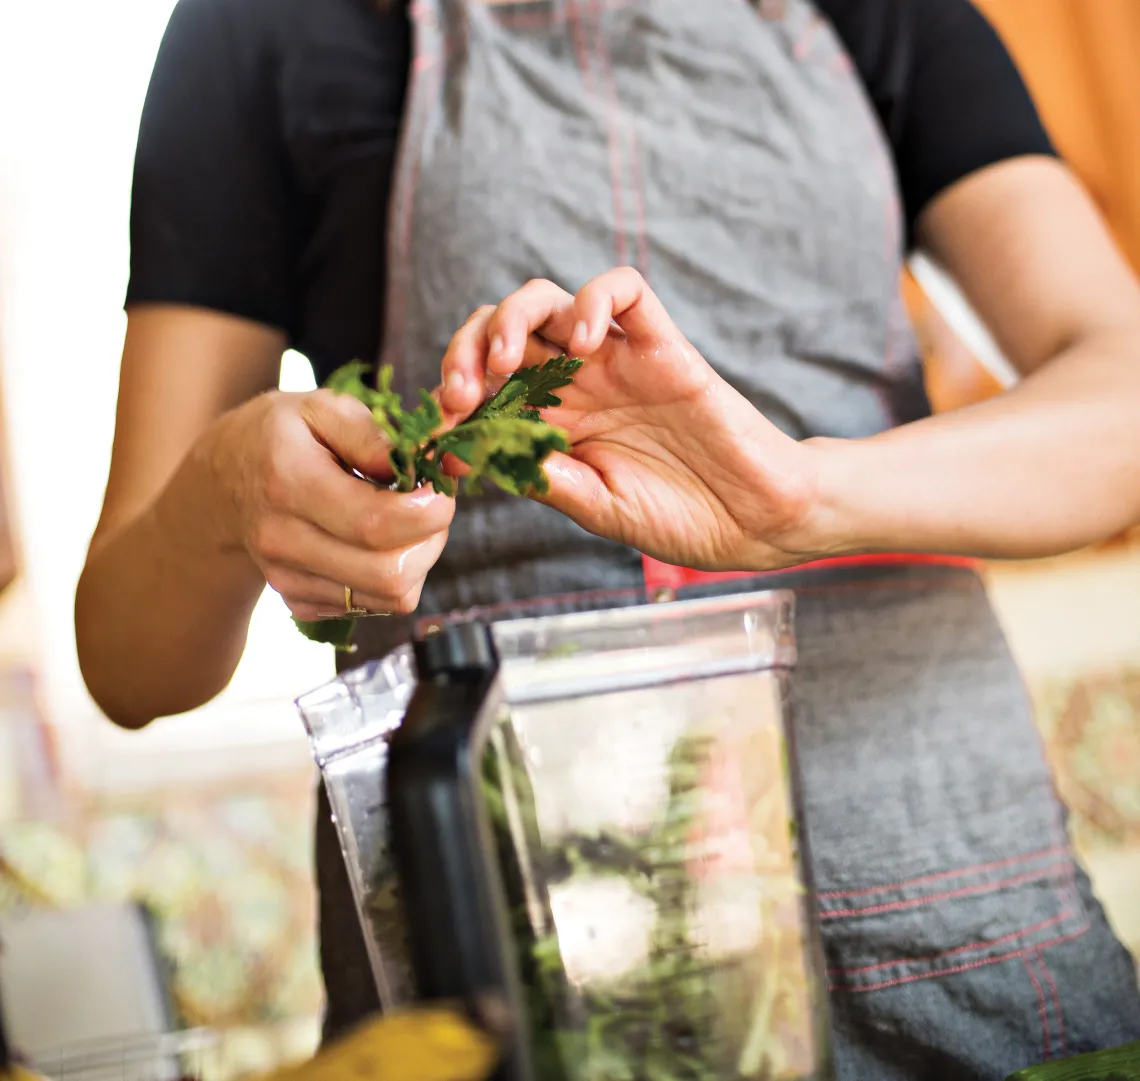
<point>505,442</point>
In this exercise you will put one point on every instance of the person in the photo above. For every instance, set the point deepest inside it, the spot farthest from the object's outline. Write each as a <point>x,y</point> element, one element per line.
<point>358,180</point>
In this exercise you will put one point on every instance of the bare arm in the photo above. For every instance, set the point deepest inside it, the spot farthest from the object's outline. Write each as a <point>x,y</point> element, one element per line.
<point>668,457</point>
<point>217,487</point>
<point>164,602</point>
<point>1054,463</point>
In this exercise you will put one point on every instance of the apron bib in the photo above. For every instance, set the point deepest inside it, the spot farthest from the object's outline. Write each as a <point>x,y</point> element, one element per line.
<point>734,160</point>
<point>731,154</point>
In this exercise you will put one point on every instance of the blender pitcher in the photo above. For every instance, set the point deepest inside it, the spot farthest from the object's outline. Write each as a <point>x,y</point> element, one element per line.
<point>594,817</point>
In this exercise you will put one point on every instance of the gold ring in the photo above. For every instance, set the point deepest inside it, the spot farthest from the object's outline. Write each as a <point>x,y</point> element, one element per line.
<point>349,609</point>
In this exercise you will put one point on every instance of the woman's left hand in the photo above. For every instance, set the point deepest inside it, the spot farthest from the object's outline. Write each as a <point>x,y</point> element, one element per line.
<point>666,456</point>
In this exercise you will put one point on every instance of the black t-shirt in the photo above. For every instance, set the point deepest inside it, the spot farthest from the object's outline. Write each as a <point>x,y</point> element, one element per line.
<point>270,128</point>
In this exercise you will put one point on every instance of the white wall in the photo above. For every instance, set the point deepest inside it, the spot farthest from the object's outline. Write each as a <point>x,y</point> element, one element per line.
<point>72,80</point>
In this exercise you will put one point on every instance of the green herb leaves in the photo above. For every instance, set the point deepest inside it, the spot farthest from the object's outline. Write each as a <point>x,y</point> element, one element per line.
<point>505,441</point>
<point>507,451</point>
<point>531,389</point>
<point>660,1020</point>
<point>410,433</point>
<point>333,632</point>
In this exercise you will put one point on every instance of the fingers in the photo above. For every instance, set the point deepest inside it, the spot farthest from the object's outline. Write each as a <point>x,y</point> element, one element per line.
<point>296,596</point>
<point>353,511</point>
<point>541,320</point>
<point>346,427</point>
<point>579,491</point>
<point>313,528</point>
<point>539,306</point>
<point>464,364</point>
<point>620,296</point>
<point>530,326</point>
<point>313,570</point>
<point>305,481</point>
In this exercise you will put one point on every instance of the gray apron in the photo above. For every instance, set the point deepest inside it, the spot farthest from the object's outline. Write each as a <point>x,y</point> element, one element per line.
<point>732,155</point>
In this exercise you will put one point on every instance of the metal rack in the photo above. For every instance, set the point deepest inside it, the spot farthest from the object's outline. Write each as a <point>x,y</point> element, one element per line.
<point>192,1053</point>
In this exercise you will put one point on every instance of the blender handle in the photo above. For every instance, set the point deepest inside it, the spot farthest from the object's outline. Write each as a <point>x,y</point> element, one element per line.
<point>443,850</point>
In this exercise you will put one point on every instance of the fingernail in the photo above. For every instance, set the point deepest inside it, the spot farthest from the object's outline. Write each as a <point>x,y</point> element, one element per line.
<point>581,332</point>
<point>496,345</point>
<point>456,383</point>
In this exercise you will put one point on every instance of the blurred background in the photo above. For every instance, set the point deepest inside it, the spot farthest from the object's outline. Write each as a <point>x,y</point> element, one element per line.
<point>205,821</point>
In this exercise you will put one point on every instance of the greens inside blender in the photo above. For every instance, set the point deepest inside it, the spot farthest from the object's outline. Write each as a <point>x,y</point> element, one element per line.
<point>657,906</point>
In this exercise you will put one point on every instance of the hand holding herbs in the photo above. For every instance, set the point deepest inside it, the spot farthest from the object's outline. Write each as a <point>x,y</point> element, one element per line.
<point>666,457</point>
<point>504,441</point>
<point>284,496</point>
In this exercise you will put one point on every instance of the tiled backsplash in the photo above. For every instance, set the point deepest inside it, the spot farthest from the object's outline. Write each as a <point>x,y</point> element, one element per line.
<point>227,877</point>
<point>1074,625</point>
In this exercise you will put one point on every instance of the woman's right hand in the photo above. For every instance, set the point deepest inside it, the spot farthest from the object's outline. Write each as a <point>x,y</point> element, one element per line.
<point>310,526</point>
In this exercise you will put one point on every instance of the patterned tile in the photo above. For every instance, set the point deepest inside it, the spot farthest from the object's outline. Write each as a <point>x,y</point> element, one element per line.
<point>228,879</point>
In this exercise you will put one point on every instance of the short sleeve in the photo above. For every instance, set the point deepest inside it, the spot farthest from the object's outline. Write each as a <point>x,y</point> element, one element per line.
<point>210,204</point>
<point>946,90</point>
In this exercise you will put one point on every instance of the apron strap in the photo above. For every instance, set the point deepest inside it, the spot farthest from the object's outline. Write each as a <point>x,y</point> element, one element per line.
<point>665,577</point>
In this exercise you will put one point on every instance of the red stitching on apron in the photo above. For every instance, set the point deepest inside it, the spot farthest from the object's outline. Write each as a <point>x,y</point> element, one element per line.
<point>895,315</point>
<point>402,205</point>
<point>958,871</point>
<point>1012,936</point>
<point>666,576</point>
<point>802,48</point>
<point>1056,1003</point>
<point>572,17</point>
<point>525,20</point>
<point>639,202</point>
<point>506,16</point>
<point>841,64</point>
<point>947,895</point>
<point>621,244</point>
<point>961,968</point>
<point>1040,1008</point>
<point>610,84</point>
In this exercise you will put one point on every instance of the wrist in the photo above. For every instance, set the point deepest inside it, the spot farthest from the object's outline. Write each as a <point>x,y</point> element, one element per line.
<point>818,523</point>
<point>839,520</point>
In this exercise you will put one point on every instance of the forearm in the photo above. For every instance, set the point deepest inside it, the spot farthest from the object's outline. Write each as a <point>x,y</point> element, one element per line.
<point>163,605</point>
<point>1048,467</point>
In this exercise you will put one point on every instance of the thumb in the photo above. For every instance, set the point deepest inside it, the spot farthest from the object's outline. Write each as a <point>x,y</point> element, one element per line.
<point>345,425</point>
<point>579,491</point>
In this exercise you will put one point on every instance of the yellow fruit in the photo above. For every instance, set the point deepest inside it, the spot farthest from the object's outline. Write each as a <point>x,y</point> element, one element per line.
<point>427,1044</point>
